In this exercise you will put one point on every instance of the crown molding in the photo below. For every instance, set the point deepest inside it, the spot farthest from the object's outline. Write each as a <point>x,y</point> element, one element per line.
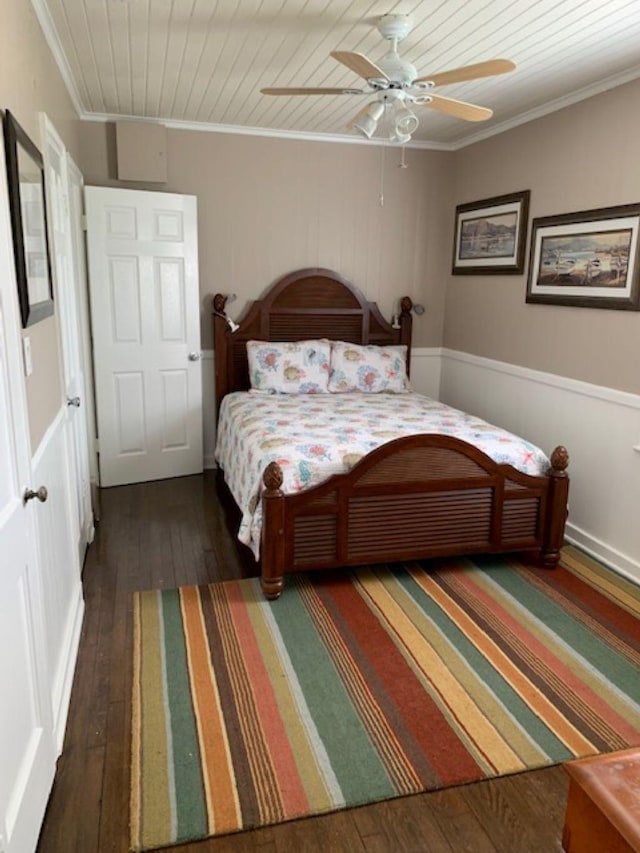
<point>209,127</point>
<point>53,41</point>
<point>598,88</point>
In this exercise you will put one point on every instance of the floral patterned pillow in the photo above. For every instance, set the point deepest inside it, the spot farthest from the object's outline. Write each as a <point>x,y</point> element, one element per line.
<point>368,368</point>
<point>300,367</point>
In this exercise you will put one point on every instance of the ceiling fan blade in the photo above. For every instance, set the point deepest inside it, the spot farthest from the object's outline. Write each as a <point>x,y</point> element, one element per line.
<point>303,91</point>
<point>359,63</point>
<point>469,72</point>
<point>459,109</point>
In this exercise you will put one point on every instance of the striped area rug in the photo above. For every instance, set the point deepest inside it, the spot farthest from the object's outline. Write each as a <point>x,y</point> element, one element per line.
<point>359,687</point>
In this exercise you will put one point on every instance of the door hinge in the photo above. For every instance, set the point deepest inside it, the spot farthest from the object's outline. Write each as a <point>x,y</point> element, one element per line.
<point>97,445</point>
<point>83,221</point>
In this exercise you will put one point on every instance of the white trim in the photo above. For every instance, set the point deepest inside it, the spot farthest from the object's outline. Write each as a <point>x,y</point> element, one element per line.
<point>209,127</point>
<point>208,407</point>
<point>613,559</point>
<point>426,352</point>
<point>576,386</point>
<point>70,644</point>
<point>48,437</point>
<point>53,41</point>
<point>599,426</point>
<point>550,107</point>
<point>430,145</point>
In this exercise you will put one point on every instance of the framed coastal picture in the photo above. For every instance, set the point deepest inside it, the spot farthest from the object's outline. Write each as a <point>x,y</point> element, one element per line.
<point>490,235</point>
<point>588,259</point>
<point>25,179</point>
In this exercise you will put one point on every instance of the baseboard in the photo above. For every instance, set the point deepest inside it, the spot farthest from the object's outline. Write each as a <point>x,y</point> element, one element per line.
<point>71,645</point>
<point>620,563</point>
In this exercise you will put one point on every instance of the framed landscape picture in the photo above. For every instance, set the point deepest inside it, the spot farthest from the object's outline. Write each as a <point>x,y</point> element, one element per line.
<point>25,180</point>
<point>587,259</point>
<point>490,235</point>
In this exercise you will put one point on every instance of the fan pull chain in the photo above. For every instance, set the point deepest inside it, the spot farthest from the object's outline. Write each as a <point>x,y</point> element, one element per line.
<point>402,164</point>
<point>384,148</point>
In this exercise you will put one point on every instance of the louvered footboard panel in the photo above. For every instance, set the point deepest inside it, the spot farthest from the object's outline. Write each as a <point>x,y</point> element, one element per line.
<point>388,524</point>
<point>520,520</point>
<point>315,540</point>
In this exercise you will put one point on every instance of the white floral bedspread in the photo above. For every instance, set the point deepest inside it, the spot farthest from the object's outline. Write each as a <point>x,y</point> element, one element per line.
<point>314,436</point>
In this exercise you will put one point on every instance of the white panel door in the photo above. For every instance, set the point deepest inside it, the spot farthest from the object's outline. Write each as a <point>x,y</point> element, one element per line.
<point>145,311</point>
<point>27,752</point>
<point>67,290</point>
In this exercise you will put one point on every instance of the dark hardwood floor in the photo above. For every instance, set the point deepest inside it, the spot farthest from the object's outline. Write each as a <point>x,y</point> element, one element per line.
<point>175,532</point>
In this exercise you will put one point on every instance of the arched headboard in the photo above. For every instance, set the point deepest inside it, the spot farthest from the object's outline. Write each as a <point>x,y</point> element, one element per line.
<point>305,304</point>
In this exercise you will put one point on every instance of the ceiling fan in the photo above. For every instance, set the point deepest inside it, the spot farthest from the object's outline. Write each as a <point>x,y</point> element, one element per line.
<point>396,85</point>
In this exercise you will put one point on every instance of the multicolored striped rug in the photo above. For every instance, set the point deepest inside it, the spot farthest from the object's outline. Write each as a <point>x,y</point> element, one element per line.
<point>359,687</point>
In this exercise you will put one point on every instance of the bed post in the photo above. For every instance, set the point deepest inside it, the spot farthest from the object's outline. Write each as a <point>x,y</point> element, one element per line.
<point>272,545</point>
<point>556,508</point>
<point>406,322</point>
<point>220,349</point>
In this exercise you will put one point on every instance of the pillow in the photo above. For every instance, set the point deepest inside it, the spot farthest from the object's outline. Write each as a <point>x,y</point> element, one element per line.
<point>300,367</point>
<point>371,369</point>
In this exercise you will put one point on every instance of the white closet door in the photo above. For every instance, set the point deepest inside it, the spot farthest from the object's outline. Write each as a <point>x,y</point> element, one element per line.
<point>27,750</point>
<point>145,310</point>
<point>68,287</point>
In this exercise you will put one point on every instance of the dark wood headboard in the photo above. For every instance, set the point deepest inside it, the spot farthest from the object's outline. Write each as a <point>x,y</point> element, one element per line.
<point>305,304</point>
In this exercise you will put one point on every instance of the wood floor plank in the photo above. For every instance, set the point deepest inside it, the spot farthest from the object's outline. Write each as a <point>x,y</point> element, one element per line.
<point>178,532</point>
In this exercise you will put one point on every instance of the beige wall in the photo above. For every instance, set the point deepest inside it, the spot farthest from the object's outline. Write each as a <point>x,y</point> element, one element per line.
<point>30,83</point>
<point>269,206</point>
<point>582,157</point>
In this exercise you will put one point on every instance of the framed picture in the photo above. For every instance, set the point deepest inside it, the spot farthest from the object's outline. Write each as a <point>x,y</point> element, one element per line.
<point>589,259</point>
<point>25,178</point>
<point>490,235</point>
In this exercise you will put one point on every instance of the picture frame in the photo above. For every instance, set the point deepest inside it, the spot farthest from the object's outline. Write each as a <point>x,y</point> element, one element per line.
<point>589,259</point>
<point>28,210</point>
<point>490,235</point>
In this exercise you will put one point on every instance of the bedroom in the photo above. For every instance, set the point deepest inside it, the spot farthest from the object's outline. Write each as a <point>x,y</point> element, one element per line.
<point>479,345</point>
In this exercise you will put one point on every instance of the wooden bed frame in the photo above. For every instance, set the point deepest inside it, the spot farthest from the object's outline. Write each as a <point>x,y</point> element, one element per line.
<point>416,497</point>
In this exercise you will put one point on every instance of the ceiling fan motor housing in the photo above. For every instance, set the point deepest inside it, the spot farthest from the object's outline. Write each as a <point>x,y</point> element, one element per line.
<point>394,26</point>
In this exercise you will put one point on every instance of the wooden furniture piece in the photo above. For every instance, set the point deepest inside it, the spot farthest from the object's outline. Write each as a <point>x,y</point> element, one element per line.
<point>416,497</point>
<point>603,807</point>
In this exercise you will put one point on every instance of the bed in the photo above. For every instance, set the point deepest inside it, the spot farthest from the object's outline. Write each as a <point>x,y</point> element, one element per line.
<point>415,497</point>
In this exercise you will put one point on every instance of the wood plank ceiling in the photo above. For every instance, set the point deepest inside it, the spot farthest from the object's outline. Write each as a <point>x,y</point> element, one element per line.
<point>204,61</point>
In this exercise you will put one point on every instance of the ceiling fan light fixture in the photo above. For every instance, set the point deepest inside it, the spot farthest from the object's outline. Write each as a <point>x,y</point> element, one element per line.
<point>400,138</point>
<point>367,124</point>
<point>405,122</point>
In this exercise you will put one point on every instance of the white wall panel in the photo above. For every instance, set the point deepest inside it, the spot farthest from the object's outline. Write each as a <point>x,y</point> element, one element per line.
<point>600,427</point>
<point>61,584</point>
<point>208,408</point>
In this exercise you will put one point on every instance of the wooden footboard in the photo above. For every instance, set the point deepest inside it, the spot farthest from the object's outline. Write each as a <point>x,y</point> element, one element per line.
<point>416,497</point>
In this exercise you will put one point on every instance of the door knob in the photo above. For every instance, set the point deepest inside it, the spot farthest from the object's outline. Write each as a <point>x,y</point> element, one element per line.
<point>73,401</point>
<point>42,494</point>
<point>194,356</point>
